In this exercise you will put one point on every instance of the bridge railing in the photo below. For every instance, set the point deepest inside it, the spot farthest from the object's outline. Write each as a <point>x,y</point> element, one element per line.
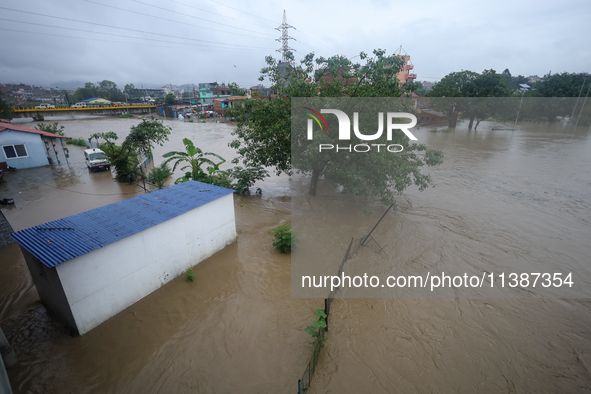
<point>88,107</point>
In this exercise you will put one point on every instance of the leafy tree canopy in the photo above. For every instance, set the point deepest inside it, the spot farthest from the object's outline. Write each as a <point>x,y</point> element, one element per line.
<point>456,87</point>
<point>104,89</point>
<point>170,99</point>
<point>559,85</point>
<point>6,110</point>
<point>264,134</point>
<point>236,90</point>
<point>54,128</point>
<point>139,141</point>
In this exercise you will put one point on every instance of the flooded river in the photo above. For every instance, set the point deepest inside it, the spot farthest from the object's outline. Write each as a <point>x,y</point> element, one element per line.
<point>525,196</point>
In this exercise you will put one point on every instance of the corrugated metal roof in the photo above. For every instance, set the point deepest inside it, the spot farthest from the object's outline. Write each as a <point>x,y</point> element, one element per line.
<point>63,239</point>
<point>10,126</point>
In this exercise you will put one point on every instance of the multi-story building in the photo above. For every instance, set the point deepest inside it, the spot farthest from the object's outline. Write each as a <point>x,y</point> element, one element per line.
<point>210,91</point>
<point>405,75</point>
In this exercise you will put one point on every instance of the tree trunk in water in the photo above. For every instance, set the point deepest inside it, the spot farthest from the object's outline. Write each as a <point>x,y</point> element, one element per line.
<point>314,181</point>
<point>453,120</point>
<point>471,123</point>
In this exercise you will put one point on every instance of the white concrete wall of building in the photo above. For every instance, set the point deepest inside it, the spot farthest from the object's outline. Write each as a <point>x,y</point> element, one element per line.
<point>104,282</point>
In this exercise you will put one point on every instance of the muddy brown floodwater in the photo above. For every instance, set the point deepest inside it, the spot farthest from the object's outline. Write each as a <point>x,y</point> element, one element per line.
<point>237,327</point>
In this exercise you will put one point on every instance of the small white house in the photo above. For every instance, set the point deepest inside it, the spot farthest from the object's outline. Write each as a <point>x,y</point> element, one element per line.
<point>91,266</point>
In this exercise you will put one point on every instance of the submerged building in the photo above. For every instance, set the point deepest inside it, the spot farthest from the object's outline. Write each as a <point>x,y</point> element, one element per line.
<point>91,266</point>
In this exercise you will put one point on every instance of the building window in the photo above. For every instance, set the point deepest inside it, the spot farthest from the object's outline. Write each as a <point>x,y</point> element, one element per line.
<point>15,151</point>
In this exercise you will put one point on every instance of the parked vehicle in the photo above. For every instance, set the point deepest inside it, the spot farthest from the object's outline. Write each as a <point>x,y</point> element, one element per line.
<point>45,106</point>
<point>96,160</point>
<point>79,105</point>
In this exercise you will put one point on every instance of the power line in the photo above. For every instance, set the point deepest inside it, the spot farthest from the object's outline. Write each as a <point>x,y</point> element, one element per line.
<point>127,43</point>
<point>120,28</point>
<point>195,17</point>
<point>137,38</point>
<point>244,12</point>
<point>214,13</point>
<point>170,20</point>
<point>299,31</point>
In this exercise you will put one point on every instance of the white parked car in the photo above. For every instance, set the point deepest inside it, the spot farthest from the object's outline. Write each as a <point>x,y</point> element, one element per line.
<point>96,160</point>
<point>45,106</point>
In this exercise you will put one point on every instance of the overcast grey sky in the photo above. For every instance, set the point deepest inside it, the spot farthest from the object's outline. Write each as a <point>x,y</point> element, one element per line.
<point>155,42</point>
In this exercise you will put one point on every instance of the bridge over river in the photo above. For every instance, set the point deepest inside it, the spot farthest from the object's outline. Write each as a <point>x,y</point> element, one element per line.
<point>89,110</point>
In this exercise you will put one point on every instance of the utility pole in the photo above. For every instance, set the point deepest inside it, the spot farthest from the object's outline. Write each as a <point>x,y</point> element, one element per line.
<point>524,88</point>
<point>581,110</point>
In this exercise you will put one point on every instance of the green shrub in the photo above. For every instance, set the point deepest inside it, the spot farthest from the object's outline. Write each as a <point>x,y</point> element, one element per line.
<point>189,275</point>
<point>54,128</point>
<point>126,116</point>
<point>246,177</point>
<point>159,174</point>
<point>284,238</point>
<point>77,142</point>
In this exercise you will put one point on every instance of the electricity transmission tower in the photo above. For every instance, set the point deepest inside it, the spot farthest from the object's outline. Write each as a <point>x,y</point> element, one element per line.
<point>284,39</point>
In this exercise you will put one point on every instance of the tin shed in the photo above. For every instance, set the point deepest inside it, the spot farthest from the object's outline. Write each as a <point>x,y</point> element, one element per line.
<point>91,266</point>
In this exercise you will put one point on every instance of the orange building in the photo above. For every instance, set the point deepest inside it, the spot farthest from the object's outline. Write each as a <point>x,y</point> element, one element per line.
<point>405,75</point>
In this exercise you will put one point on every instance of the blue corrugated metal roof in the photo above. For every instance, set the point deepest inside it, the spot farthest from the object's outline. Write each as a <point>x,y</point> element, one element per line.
<point>63,239</point>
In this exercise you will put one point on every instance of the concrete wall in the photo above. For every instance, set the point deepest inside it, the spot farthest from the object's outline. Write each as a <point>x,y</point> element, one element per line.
<point>104,282</point>
<point>51,292</point>
<point>34,145</point>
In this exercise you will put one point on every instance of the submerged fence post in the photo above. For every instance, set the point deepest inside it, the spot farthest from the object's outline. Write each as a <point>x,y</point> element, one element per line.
<point>326,312</point>
<point>374,227</point>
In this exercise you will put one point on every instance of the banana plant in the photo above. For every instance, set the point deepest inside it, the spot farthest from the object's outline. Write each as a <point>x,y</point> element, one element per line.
<point>194,159</point>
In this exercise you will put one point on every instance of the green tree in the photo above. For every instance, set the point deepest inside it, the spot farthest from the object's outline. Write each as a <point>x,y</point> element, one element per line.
<point>89,91</point>
<point>559,85</point>
<point>129,86</point>
<point>452,86</point>
<point>170,99</point>
<point>6,110</point>
<point>51,128</point>
<point>264,134</point>
<point>479,106</point>
<point>236,90</point>
<point>139,141</point>
<point>558,90</point>
<point>105,89</point>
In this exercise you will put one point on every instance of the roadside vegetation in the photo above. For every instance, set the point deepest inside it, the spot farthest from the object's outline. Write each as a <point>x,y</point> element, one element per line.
<point>138,144</point>
<point>205,167</point>
<point>77,142</point>
<point>53,128</point>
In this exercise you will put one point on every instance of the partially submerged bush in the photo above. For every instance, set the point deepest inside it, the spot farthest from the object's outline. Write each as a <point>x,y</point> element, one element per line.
<point>189,275</point>
<point>284,238</point>
<point>159,174</point>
